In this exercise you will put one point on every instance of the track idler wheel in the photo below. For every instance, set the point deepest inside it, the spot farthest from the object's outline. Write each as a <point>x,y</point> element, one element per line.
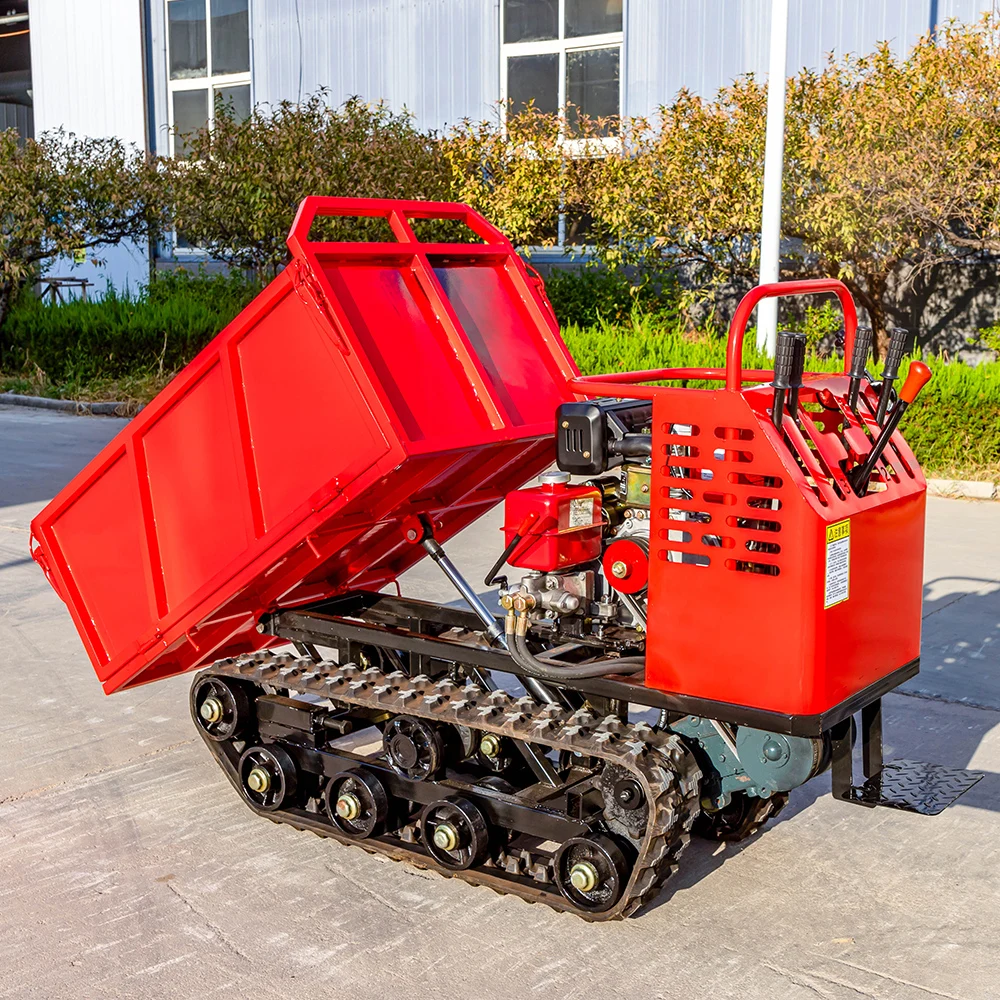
<point>592,872</point>
<point>357,803</point>
<point>221,708</point>
<point>744,815</point>
<point>455,833</point>
<point>414,747</point>
<point>268,777</point>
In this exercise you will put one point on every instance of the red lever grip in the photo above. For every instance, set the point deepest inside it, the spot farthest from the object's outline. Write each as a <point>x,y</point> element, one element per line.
<point>916,378</point>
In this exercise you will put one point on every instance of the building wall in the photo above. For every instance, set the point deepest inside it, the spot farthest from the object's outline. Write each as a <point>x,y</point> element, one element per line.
<point>86,60</point>
<point>438,58</point>
<point>17,116</point>
<point>704,44</point>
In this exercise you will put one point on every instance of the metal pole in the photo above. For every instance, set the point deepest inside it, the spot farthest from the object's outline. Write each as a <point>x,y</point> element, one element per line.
<point>774,152</point>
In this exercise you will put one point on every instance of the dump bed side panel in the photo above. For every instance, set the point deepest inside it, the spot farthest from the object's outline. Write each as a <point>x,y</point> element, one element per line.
<point>366,383</point>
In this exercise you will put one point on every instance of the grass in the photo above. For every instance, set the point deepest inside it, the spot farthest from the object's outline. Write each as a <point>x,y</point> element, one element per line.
<point>127,350</point>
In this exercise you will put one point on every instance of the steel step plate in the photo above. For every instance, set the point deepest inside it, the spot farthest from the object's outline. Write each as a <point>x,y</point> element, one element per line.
<point>916,787</point>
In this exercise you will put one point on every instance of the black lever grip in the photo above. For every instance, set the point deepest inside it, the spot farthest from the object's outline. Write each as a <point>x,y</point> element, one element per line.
<point>859,363</point>
<point>784,359</point>
<point>784,362</point>
<point>862,348</point>
<point>798,368</point>
<point>894,356</point>
<point>898,338</point>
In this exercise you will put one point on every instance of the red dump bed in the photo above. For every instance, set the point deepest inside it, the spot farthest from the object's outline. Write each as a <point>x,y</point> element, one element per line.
<point>368,382</point>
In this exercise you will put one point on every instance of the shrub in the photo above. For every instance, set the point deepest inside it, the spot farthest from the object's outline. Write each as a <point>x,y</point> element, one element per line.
<point>156,331</point>
<point>238,193</point>
<point>60,193</point>
<point>954,425</point>
<point>585,296</point>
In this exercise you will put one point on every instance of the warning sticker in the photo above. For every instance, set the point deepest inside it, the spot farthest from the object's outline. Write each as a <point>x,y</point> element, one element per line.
<point>581,512</point>
<point>838,563</point>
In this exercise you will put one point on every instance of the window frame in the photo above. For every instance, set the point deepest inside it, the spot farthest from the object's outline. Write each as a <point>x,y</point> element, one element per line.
<point>562,45</point>
<point>210,82</point>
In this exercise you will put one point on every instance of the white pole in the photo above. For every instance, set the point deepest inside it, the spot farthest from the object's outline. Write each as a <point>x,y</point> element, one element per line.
<point>774,153</point>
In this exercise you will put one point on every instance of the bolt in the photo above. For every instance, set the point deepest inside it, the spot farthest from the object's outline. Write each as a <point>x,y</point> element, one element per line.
<point>586,454</point>
<point>259,780</point>
<point>348,806</point>
<point>445,837</point>
<point>565,423</point>
<point>490,745</point>
<point>583,877</point>
<point>619,569</point>
<point>211,709</point>
<point>411,535</point>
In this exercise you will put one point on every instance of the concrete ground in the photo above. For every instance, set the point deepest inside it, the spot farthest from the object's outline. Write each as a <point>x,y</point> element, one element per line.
<point>130,869</point>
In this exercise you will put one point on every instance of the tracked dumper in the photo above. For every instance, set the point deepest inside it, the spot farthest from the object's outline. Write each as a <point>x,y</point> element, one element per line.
<point>704,586</point>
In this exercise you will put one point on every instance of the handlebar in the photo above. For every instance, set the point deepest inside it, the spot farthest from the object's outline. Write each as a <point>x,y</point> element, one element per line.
<point>397,213</point>
<point>781,289</point>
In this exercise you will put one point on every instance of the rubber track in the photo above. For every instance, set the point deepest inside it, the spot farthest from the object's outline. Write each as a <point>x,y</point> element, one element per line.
<point>664,767</point>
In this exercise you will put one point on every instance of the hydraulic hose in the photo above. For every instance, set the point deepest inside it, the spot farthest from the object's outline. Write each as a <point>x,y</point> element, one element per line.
<point>550,671</point>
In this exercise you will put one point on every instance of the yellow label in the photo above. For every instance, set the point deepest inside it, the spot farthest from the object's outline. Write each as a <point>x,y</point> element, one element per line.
<point>834,532</point>
<point>838,564</point>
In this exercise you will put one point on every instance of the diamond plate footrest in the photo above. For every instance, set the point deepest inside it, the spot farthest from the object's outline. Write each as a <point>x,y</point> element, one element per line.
<point>917,787</point>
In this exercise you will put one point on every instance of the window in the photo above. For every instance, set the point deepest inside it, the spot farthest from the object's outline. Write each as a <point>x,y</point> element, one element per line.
<point>563,52</point>
<point>208,57</point>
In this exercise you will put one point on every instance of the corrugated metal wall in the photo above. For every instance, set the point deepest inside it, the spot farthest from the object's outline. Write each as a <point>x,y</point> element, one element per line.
<point>439,58</point>
<point>704,44</point>
<point>19,117</point>
<point>86,67</point>
<point>86,70</point>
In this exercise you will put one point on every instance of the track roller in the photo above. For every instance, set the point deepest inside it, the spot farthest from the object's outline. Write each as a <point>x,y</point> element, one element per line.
<point>414,747</point>
<point>592,872</point>
<point>455,833</point>
<point>268,777</point>
<point>357,803</point>
<point>222,708</point>
<point>742,818</point>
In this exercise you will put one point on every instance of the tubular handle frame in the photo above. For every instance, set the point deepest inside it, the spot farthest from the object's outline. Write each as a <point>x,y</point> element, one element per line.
<point>396,212</point>
<point>733,374</point>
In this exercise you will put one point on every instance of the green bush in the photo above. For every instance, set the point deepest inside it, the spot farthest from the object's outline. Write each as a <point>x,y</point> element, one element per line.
<point>118,335</point>
<point>954,427</point>
<point>585,296</point>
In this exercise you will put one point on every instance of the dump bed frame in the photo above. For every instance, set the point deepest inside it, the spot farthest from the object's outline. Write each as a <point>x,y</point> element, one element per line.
<point>368,382</point>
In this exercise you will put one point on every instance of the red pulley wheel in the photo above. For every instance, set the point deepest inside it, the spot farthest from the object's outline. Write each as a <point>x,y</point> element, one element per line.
<point>626,564</point>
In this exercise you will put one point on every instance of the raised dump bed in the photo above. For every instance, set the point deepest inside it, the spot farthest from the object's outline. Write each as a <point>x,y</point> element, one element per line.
<point>366,383</point>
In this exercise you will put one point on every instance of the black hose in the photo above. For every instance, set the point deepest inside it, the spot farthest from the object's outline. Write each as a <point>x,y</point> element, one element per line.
<point>550,671</point>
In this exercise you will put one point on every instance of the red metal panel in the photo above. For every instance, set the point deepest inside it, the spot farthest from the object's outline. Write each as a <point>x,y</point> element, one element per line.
<point>202,502</point>
<point>737,604</point>
<point>101,532</point>
<point>355,391</point>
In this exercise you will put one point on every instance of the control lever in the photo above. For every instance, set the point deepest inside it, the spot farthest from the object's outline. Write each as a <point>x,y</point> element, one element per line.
<point>916,378</point>
<point>893,359</point>
<point>784,368</point>
<point>859,362</point>
<point>798,369</point>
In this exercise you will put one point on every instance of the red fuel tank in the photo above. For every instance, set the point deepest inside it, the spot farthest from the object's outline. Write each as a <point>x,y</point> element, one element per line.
<point>560,524</point>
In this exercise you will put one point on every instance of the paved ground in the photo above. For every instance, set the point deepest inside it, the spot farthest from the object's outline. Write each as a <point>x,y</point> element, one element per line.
<point>129,869</point>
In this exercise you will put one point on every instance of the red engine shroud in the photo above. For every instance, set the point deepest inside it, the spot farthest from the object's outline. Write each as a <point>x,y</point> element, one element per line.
<point>747,601</point>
